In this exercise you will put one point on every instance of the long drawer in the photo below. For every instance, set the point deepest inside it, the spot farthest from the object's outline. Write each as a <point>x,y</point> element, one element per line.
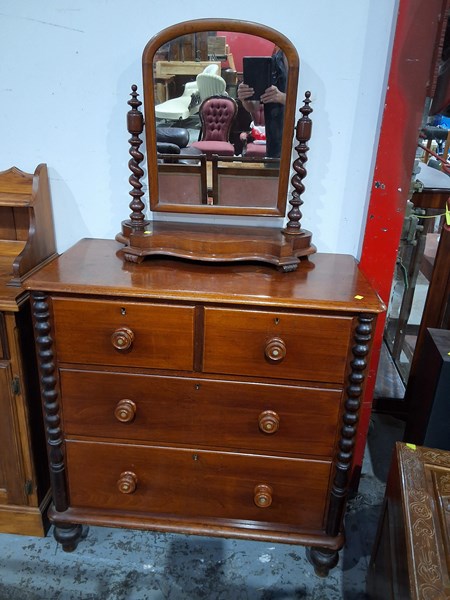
<point>197,484</point>
<point>271,344</point>
<point>175,410</point>
<point>124,334</point>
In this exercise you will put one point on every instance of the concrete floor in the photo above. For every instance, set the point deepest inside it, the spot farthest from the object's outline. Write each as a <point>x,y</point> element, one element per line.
<point>115,564</point>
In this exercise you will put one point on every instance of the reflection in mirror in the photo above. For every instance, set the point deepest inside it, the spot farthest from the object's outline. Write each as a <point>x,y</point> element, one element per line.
<point>197,79</point>
<point>245,182</point>
<point>181,182</point>
<point>219,98</point>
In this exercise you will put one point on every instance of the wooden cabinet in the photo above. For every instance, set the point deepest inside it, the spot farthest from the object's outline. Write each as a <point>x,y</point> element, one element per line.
<point>26,241</point>
<point>215,400</point>
<point>411,554</point>
<point>428,422</point>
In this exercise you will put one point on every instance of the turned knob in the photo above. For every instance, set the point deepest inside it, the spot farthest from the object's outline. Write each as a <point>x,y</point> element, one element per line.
<point>263,495</point>
<point>127,482</point>
<point>269,421</point>
<point>122,338</point>
<point>125,411</point>
<point>275,349</point>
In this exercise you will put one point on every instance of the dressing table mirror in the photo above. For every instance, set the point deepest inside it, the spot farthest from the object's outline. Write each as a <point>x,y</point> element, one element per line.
<point>210,153</point>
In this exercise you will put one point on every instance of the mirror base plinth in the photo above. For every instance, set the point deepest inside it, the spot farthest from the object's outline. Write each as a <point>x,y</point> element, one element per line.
<point>216,244</point>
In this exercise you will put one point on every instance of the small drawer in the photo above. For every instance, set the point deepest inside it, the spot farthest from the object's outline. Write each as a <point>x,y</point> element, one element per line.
<point>198,484</point>
<point>124,333</point>
<point>270,344</point>
<point>174,410</point>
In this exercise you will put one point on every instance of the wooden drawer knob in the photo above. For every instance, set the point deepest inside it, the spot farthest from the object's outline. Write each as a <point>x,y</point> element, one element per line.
<point>125,411</point>
<point>122,338</point>
<point>275,349</point>
<point>263,495</point>
<point>127,482</point>
<point>269,421</point>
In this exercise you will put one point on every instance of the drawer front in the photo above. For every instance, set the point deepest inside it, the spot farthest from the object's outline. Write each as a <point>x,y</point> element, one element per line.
<point>270,344</point>
<point>124,334</point>
<point>171,410</point>
<point>197,484</point>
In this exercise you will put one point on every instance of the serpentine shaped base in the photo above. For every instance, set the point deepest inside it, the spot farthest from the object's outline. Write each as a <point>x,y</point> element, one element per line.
<point>216,243</point>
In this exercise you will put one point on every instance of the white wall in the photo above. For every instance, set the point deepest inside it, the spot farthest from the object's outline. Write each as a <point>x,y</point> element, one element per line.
<point>65,73</point>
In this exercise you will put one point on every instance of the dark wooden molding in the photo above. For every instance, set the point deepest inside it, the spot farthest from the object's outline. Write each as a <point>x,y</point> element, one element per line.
<point>67,534</point>
<point>346,444</point>
<point>50,398</point>
<point>324,559</point>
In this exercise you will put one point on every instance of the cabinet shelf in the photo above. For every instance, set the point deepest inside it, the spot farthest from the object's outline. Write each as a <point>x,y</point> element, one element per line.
<point>27,235</point>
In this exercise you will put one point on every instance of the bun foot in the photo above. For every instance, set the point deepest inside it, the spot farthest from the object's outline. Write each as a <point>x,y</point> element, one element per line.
<point>322,560</point>
<point>69,536</point>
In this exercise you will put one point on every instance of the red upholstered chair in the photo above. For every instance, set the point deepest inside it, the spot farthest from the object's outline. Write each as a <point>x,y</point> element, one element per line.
<point>217,114</point>
<point>254,148</point>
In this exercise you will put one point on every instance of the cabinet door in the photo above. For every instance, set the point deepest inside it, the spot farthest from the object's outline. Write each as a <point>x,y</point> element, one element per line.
<point>12,479</point>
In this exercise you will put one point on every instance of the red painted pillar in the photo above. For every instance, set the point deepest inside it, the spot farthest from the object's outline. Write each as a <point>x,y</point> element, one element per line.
<point>412,69</point>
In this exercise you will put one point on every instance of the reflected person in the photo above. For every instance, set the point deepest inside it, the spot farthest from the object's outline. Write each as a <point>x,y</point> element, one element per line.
<point>274,100</point>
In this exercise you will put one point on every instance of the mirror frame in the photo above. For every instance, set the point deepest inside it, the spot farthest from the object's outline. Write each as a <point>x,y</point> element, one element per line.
<point>202,25</point>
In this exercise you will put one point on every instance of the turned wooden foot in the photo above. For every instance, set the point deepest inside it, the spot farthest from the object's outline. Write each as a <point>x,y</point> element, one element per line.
<point>323,559</point>
<point>133,258</point>
<point>69,536</point>
<point>288,268</point>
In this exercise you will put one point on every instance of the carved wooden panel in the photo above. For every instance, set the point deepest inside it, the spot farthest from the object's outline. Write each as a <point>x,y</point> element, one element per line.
<point>411,556</point>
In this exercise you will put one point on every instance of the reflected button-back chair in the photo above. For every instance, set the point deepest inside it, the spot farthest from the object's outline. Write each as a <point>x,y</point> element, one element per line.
<point>217,115</point>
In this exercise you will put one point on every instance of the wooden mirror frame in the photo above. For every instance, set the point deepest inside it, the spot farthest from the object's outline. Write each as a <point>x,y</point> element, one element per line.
<point>206,25</point>
<point>217,242</point>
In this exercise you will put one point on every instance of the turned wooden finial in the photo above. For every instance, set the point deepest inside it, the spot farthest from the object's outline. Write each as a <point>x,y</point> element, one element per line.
<point>303,135</point>
<point>135,125</point>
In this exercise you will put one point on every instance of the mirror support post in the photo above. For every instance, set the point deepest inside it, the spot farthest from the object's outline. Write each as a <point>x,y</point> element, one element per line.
<point>303,135</point>
<point>135,125</point>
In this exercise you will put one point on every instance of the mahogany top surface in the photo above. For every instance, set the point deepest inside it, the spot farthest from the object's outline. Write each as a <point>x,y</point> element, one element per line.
<point>327,281</point>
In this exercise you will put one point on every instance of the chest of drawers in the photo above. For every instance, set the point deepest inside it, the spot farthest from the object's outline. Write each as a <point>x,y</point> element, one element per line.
<point>207,400</point>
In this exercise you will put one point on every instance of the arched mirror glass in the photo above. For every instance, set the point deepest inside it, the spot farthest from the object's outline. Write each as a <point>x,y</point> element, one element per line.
<point>219,103</point>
